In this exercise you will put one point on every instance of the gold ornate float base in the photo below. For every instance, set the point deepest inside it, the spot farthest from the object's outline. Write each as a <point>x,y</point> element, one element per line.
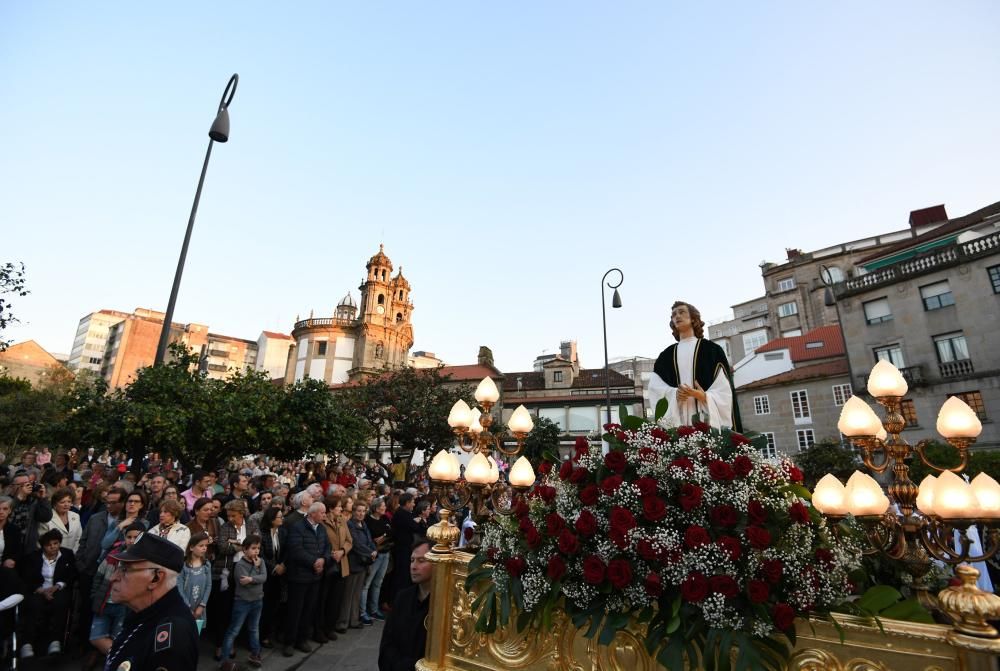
<point>454,645</point>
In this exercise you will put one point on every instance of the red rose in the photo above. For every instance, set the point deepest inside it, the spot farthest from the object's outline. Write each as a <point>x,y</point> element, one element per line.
<point>565,470</point>
<point>696,536</point>
<point>615,461</point>
<point>524,524</point>
<point>532,538</point>
<point>731,546</point>
<point>492,554</point>
<point>515,566</point>
<point>725,515</point>
<point>794,474</point>
<point>593,570</point>
<point>556,568</point>
<point>547,493</point>
<point>622,518</point>
<point>724,585</point>
<point>695,587</point>
<point>756,512</point>
<point>619,537</point>
<point>612,427</point>
<point>737,439</point>
<point>742,466</point>
<point>653,585</point>
<point>783,616</point>
<point>521,507</point>
<point>582,447</point>
<point>620,573</point>
<point>759,537</point>
<point>683,463</point>
<point>647,486</point>
<point>772,569</point>
<point>554,524</point>
<point>611,484</point>
<point>586,523</point>
<point>545,467</point>
<point>702,426</point>
<point>721,471</point>
<point>568,543</point>
<point>653,508</point>
<point>799,513</point>
<point>824,557</point>
<point>660,434</point>
<point>579,475</point>
<point>685,431</point>
<point>588,495</point>
<point>646,549</point>
<point>646,453</point>
<point>690,497</point>
<point>758,591</point>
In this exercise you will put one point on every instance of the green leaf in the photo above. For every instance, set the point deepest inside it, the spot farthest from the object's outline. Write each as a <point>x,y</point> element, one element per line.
<point>878,598</point>
<point>674,624</point>
<point>491,624</point>
<point>595,624</point>
<point>798,490</point>
<point>478,560</point>
<point>476,576</point>
<point>478,602</point>
<point>661,409</point>
<point>517,592</point>
<point>909,610</point>
<point>504,607</point>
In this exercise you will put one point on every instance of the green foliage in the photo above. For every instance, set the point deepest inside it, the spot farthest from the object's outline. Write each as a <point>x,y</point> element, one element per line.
<point>11,283</point>
<point>28,416</point>
<point>944,455</point>
<point>825,457</point>
<point>543,441</point>
<point>883,601</point>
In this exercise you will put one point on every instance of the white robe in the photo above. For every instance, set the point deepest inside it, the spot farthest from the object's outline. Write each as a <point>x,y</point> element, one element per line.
<point>717,411</point>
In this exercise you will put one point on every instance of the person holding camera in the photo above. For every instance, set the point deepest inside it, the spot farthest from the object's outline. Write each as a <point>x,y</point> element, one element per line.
<point>31,508</point>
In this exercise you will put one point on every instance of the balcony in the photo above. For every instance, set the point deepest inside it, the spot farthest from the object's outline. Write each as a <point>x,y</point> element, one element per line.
<point>914,376</point>
<point>222,354</point>
<point>217,368</point>
<point>324,321</point>
<point>957,368</point>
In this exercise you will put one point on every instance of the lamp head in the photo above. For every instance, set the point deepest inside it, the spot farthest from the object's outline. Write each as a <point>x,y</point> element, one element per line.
<point>220,127</point>
<point>616,300</point>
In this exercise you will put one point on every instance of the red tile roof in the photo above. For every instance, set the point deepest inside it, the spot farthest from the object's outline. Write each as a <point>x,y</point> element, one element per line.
<point>928,215</point>
<point>830,337</point>
<point>274,334</point>
<point>587,378</point>
<point>816,370</point>
<point>945,229</point>
<point>470,372</point>
<point>582,399</point>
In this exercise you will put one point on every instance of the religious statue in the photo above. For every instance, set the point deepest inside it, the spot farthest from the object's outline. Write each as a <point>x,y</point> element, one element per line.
<point>694,375</point>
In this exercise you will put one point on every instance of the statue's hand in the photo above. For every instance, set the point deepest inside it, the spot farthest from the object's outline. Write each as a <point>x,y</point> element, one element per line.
<point>699,393</point>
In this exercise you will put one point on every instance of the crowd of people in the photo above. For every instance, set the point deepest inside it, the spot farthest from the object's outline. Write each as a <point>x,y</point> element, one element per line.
<point>287,555</point>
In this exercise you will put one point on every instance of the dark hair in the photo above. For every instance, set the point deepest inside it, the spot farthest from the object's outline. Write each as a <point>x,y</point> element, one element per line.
<point>267,519</point>
<point>251,539</point>
<point>60,494</point>
<point>234,479</point>
<point>199,474</point>
<point>421,507</point>
<point>421,540</point>
<point>200,503</point>
<point>142,497</point>
<point>194,540</point>
<point>49,536</point>
<point>404,499</point>
<point>696,322</point>
<point>135,526</point>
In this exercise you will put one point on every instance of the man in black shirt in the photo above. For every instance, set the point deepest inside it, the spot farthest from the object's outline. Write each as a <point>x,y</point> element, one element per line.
<point>404,639</point>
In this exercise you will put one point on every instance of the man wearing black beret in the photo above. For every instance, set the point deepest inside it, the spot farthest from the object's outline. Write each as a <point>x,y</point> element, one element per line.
<point>160,634</point>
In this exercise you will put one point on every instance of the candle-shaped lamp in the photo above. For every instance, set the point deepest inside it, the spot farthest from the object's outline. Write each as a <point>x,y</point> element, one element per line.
<point>957,420</point>
<point>987,493</point>
<point>858,419</point>
<point>520,421</point>
<point>953,498</point>
<point>487,391</point>
<point>828,497</point>
<point>925,497</point>
<point>478,470</point>
<point>864,495</point>
<point>444,467</point>
<point>475,426</point>
<point>521,473</point>
<point>460,415</point>
<point>886,380</point>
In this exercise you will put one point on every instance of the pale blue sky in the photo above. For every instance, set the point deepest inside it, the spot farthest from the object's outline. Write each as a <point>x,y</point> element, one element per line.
<point>507,154</point>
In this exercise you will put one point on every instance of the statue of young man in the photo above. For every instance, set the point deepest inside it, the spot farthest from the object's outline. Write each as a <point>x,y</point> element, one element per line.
<point>694,375</point>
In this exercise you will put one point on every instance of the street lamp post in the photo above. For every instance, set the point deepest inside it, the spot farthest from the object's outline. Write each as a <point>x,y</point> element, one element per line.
<point>616,302</point>
<point>219,132</point>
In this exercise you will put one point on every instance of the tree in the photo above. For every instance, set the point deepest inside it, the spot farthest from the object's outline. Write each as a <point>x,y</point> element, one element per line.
<point>543,441</point>
<point>12,283</point>
<point>824,457</point>
<point>318,421</point>
<point>28,416</point>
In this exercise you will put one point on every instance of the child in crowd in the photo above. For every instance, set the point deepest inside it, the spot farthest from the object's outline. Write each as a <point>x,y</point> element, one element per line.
<point>109,616</point>
<point>248,601</point>
<point>195,579</point>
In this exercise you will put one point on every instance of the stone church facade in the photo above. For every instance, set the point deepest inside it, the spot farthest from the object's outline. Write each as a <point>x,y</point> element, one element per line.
<point>360,339</point>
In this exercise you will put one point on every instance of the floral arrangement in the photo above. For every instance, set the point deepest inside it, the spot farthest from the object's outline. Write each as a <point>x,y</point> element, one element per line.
<point>687,530</point>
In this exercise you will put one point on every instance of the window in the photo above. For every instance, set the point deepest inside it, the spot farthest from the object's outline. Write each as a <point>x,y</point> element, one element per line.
<point>937,295</point>
<point>909,412</point>
<point>557,376</point>
<point>806,438</point>
<point>877,311</point>
<point>841,392</point>
<point>791,334</point>
<point>786,284</point>
<point>951,347</point>
<point>995,278</point>
<point>788,309</point>
<point>891,353</point>
<point>381,299</point>
<point>815,344</point>
<point>321,348</point>
<point>800,404</point>
<point>753,340</point>
<point>974,400</point>
<point>762,405</point>
<point>770,451</point>
<point>833,275</point>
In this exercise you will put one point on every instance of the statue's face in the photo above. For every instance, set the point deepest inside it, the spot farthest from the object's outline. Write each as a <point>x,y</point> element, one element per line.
<point>680,317</point>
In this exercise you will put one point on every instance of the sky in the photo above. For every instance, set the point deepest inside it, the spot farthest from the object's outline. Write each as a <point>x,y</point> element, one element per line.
<point>506,155</point>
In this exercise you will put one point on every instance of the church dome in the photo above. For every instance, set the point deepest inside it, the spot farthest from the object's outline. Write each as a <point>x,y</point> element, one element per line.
<point>400,281</point>
<point>380,259</point>
<point>347,301</point>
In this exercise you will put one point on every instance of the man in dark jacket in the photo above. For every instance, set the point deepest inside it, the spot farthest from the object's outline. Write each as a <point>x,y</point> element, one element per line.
<point>404,638</point>
<point>31,508</point>
<point>404,530</point>
<point>305,559</point>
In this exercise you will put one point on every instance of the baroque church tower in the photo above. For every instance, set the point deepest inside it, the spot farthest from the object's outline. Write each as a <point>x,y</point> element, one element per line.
<point>359,340</point>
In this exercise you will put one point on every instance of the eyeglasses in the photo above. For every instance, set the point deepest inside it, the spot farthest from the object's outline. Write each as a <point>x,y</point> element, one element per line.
<point>124,570</point>
<point>134,501</point>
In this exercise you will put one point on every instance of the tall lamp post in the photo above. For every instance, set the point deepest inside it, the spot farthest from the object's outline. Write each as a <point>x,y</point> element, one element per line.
<point>219,132</point>
<point>616,302</point>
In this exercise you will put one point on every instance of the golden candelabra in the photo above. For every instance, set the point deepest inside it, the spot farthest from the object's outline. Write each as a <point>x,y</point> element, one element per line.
<point>923,523</point>
<point>484,488</point>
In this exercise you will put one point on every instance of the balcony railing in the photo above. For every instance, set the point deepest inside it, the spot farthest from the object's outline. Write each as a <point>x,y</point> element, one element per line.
<point>940,258</point>
<point>219,353</point>
<point>324,321</point>
<point>957,368</point>
<point>914,376</point>
<point>217,368</point>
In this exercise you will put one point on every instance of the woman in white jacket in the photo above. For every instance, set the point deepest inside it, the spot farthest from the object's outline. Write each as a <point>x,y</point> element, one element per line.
<point>64,519</point>
<point>170,526</point>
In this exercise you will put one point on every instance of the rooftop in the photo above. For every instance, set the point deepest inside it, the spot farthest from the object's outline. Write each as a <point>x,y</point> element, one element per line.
<point>820,343</point>
<point>810,372</point>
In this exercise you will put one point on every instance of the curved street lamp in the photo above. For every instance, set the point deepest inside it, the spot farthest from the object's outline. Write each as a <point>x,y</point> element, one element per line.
<point>219,132</point>
<point>616,302</point>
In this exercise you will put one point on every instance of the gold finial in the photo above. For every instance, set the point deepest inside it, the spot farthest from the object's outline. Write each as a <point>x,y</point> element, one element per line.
<point>444,533</point>
<point>968,606</point>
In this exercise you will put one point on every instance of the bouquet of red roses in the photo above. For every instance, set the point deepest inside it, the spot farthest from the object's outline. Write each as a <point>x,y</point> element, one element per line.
<point>687,531</point>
